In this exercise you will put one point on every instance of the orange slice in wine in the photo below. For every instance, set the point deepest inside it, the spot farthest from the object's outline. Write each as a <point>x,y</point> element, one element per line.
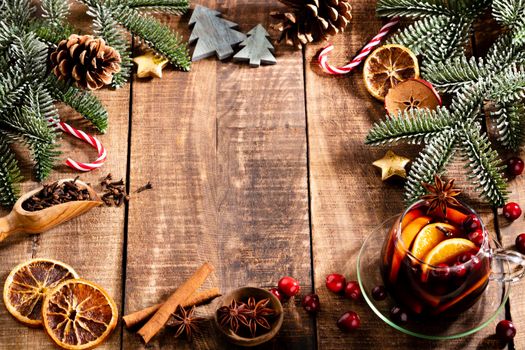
<point>430,236</point>
<point>79,314</point>
<point>455,216</point>
<point>386,67</point>
<point>447,251</point>
<point>411,94</point>
<point>28,284</point>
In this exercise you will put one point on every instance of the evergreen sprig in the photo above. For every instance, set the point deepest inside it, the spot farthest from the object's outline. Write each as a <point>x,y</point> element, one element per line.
<point>492,85</point>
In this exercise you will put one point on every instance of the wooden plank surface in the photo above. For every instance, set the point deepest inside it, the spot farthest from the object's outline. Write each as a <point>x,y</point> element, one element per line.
<point>348,198</point>
<point>225,149</point>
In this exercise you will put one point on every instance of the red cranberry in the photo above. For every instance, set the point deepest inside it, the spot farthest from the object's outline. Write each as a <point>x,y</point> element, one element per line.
<point>505,330</point>
<point>352,290</point>
<point>277,294</point>
<point>349,321</point>
<point>520,243</point>
<point>476,237</point>
<point>379,293</point>
<point>459,269</point>
<point>515,166</point>
<point>398,315</point>
<point>471,223</point>
<point>463,258</point>
<point>311,303</point>
<point>512,211</point>
<point>335,282</point>
<point>470,258</point>
<point>442,271</point>
<point>289,286</point>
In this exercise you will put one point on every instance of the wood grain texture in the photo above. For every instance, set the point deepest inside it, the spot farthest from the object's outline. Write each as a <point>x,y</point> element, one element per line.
<point>348,198</point>
<point>91,244</point>
<point>225,149</point>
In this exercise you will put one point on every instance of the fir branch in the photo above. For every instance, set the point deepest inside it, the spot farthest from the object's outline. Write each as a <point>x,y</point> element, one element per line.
<point>12,87</point>
<point>518,33</point>
<point>50,33</point>
<point>156,35</point>
<point>507,12</point>
<point>503,53</point>
<point>413,126</point>
<point>412,8</point>
<point>85,103</point>
<point>174,7</point>
<point>55,11</point>
<point>484,164</point>
<point>107,27</point>
<point>9,174</point>
<point>454,74</point>
<point>17,13</point>
<point>509,86</point>
<point>432,160</point>
<point>510,122</point>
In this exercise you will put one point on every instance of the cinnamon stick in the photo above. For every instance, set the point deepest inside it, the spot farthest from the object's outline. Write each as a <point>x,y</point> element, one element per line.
<point>198,298</point>
<point>154,325</point>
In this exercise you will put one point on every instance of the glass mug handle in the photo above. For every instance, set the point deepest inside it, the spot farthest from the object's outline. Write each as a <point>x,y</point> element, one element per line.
<point>517,265</point>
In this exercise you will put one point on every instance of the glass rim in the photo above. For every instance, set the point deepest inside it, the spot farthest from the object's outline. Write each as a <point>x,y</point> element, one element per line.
<point>483,249</point>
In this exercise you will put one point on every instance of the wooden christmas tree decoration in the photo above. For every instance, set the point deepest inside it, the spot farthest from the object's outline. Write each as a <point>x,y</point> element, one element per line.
<point>213,34</point>
<point>256,48</point>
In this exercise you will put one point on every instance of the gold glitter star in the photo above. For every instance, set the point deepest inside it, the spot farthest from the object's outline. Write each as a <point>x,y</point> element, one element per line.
<point>392,165</point>
<point>150,65</point>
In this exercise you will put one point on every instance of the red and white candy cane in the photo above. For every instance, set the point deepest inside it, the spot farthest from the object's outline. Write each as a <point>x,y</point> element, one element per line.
<point>93,141</point>
<point>328,68</point>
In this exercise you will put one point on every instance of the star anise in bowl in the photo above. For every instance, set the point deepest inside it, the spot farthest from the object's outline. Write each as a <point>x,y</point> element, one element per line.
<point>249,316</point>
<point>440,195</point>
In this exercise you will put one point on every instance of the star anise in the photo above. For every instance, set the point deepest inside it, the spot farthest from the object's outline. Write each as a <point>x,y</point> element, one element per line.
<point>259,314</point>
<point>185,321</point>
<point>233,316</point>
<point>441,195</point>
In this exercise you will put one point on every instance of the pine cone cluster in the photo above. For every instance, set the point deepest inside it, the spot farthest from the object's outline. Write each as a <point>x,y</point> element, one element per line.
<point>86,60</point>
<point>312,20</point>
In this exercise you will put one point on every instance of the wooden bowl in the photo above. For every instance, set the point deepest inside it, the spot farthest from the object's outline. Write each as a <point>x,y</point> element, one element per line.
<point>242,294</point>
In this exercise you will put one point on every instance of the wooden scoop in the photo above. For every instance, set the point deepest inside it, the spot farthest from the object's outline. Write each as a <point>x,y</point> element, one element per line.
<point>21,220</point>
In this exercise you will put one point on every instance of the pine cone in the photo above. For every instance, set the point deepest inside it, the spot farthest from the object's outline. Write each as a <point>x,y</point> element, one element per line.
<point>312,20</point>
<point>86,60</point>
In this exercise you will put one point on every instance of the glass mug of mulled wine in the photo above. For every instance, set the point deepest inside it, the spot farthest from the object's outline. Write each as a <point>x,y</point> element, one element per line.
<point>437,264</point>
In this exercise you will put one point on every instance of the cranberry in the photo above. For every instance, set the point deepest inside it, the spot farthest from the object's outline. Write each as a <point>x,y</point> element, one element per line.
<point>520,243</point>
<point>398,315</point>
<point>349,321</point>
<point>352,290</point>
<point>289,286</point>
<point>335,282</point>
<point>515,166</point>
<point>379,293</point>
<point>459,269</point>
<point>277,294</point>
<point>505,330</point>
<point>463,258</point>
<point>311,303</point>
<point>471,223</point>
<point>442,271</point>
<point>470,258</point>
<point>476,237</point>
<point>512,211</point>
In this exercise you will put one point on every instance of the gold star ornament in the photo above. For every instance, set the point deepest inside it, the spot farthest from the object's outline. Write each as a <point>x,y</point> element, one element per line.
<point>392,165</point>
<point>150,65</point>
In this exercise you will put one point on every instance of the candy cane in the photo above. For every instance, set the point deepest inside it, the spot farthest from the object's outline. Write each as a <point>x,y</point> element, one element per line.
<point>93,141</point>
<point>328,68</point>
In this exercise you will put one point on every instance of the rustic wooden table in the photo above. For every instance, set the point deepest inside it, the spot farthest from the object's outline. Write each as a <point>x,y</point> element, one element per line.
<point>263,172</point>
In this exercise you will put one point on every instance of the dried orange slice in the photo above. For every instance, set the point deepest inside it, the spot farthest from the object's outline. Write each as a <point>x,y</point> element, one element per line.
<point>28,283</point>
<point>386,67</point>
<point>411,94</point>
<point>448,250</point>
<point>430,236</point>
<point>79,314</point>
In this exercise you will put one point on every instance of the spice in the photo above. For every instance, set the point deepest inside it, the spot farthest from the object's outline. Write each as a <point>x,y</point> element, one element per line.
<point>199,298</point>
<point>114,191</point>
<point>441,195</point>
<point>153,326</point>
<point>185,322</point>
<point>147,186</point>
<point>250,317</point>
<point>56,193</point>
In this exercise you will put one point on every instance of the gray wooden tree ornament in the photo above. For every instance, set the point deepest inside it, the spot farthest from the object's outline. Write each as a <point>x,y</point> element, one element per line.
<point>214,35</point>
<point>256,48</point>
